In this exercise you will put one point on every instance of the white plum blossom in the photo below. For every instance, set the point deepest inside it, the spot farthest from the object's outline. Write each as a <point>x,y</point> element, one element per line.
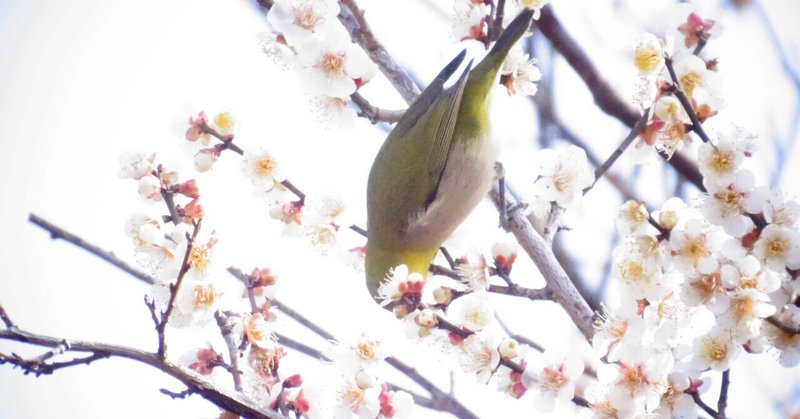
<point>475,311</point>
<point>637,264</point>
<point>552,376</point>
<point>715,349</point>
<point>778,247</point>
<point>361,354</point>
<point>666,319</point>
<point>563,174</point>
<point>358,395</point>
<point>470,19</point>
<point>780,210</point>
<point>519,73</point>
<point>693,75</point>
<point>718,163</point>
<point>261,168</point>
<point>727,206</point>
<point>787,344</point>
<point>638,383</point>
<point>673,211</point>
<point>299,20</point>
<point>747,274</point>
<point>474,271</point>
<point>675,403</point>
<point>694,246</point>
<point>135,165</point>
<point>195,303</point>
<point>705,289</point>
<point>746,309</point>
<point>618,332</point>
<point>259,332</point>
<point>648,55</point>
<point>150,188</point>
<point>335,66</point>
<point>144,230</point>
<point>480,356</point>
<point>334,112</point>
<point>632,218</point>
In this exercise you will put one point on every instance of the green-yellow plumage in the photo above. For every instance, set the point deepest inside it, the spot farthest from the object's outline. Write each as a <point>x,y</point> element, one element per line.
<point>435,166</point>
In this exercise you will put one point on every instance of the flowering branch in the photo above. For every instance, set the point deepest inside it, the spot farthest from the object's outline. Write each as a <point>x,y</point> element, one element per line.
<point>226,328</point>
<point>697,126</point>
<point>563,290</point>
<point>604,96</point>
<point>173,290</point>
<point>193,382</point>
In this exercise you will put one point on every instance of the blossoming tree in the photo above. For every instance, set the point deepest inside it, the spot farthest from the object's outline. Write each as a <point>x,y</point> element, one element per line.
<point>700,282</point>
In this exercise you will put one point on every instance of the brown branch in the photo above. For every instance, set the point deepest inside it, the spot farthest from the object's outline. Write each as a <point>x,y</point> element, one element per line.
<point>226,328</point>
<point>632,135</point>
<point>722,403</point>
<point>697,126</point>
<point>6,318</point>
<point>59,233</point>
<point>195,383</point>
<point>373,113</point>
<point>604,96</point>
<point>39,366</point>
<point>173,290</point>
<point>698,401</point>
<point>784,328</point>
<point>352,17</point>
<point>562,288</point>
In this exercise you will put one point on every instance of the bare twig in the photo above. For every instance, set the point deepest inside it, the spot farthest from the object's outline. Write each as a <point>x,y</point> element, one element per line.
<point>632,135</point>
<point>352,17</point>
<point>519,338</point>
<point>226,328</point>
<point>38,366</point>
<point>179,395</point>
<point>6,318</point>
<point>373,113</point>
<point>722,403</point>
<point>698,401</point>
<point>59,233</point>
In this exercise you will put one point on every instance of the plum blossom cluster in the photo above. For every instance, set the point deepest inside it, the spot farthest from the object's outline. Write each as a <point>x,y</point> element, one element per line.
<point>184,295</point>
<point>519,73</point>
<point>670,72</point>
<point>307,35</point>
<point>457,314</point>
<point>700,284</point>
<point>357,387</point>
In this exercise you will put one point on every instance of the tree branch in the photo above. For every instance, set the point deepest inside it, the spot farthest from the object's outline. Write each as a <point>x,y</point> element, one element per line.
<point>59,233</point>
<point>562,288</point>
<point>196,384</point>
<point>226,328</point>
<point>604,96</point>
<point>722,403</point>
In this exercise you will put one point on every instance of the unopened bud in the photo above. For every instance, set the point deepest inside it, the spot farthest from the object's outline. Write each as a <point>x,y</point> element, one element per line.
<point>443,295</point>
<point>427,318</point>
<point>509,348</point>
<point>364,380</point>
<point>293,381</point>
<point>504,254</point>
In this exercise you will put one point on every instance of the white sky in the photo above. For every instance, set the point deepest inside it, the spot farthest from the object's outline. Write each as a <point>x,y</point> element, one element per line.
<point>83,81</point>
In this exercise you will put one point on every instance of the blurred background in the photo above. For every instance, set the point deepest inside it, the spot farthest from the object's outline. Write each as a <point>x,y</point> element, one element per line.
<point>83,81</point>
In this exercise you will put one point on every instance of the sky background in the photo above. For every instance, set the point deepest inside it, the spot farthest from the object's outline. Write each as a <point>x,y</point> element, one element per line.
<point>82,82</point>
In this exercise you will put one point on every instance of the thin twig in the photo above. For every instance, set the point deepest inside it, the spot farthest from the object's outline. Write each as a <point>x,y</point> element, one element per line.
<point>352,17</point>
<point>697,126</point>
<point>784,328</point>
<point>604,95</point>
<point>632,135</point>
<point>59,233</point>
<point>174,288</point>
<point>519,338</point>
<point>722,403</point>
<point>698,401</point>
<point>226,328</point>
<point>6,318</point>
<point>179,395</point>
<point>373,113</point>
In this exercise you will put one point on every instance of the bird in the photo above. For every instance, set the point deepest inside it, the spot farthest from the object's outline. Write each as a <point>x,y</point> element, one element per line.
<point>435,165</point>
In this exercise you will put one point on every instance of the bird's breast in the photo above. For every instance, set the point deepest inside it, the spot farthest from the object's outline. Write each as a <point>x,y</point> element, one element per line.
<point>465,181</point>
